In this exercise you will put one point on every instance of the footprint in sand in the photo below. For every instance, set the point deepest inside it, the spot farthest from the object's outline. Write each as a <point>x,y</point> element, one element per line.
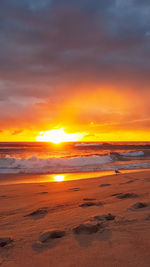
<point>139,205</point>
<point>74,189</point>
<point>148,217</point>
<point>124,221</point>
<point>42,193</point>
<point>89,199</point>
<point>3,196</point>
<point>89,204</point>
<point>38,214</point>
<point>104,185</point>
<point>126,195</point>
<point>48,239</point>
<point>51,234</point>
<point>5,241</point>
<point>116,194</point>
<point>104,217</point>
<point>129,182</point>
<point>87,228</point>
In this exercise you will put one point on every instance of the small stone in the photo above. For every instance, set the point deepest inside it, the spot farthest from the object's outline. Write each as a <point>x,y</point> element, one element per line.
<point>51,234</point>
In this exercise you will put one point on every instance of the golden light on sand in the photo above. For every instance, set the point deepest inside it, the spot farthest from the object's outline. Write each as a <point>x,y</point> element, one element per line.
<point>57,136</point>
<point>59,178</point>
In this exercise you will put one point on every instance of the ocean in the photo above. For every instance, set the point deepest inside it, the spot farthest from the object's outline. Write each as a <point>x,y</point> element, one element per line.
<point>48,158</point>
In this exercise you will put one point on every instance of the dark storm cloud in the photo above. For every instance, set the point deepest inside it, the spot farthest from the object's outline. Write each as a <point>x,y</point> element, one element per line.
<point>46,47</point>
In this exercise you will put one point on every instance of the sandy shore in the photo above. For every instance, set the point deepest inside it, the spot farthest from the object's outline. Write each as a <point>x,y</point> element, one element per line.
<point>84,237</point>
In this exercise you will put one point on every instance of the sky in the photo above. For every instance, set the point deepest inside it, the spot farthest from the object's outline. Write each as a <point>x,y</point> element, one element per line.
<point>83,65</point>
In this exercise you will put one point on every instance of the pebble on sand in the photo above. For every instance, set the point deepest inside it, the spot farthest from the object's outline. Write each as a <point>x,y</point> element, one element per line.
<point>51,234</point>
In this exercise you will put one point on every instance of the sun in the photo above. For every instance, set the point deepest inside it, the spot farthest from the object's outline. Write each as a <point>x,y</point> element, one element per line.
<point>59,178</point>
<point>58,136</point>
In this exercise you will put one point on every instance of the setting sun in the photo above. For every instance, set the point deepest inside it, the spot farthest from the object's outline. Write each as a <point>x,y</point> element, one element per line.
<point>57,136</point>
<point>59,178</point>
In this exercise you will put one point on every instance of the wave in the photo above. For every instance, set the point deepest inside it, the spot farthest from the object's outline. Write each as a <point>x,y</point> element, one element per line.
<point>92,144</point>
<point>37,165</point>
<point>133,154</point>
<point>85,145</point>
<point>53,165</point>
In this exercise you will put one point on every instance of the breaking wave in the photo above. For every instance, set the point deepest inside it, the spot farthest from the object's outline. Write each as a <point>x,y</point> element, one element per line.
<point>92,144</point>
<point>53,165</point>
<point>111,161</point>
<point>133,154</point>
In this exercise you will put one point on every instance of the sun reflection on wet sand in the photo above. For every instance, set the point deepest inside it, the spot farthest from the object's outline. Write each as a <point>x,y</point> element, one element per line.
<point>59,178</point>
<point>6,179</point>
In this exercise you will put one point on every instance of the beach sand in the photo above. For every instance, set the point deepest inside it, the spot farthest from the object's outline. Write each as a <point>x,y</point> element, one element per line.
<point>92,222</point>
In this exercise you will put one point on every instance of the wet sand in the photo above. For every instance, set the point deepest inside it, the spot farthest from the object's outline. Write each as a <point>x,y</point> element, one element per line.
<point>91,222</point>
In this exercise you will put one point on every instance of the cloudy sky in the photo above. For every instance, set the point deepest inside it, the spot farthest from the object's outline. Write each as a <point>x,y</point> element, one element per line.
<point>79,64</point>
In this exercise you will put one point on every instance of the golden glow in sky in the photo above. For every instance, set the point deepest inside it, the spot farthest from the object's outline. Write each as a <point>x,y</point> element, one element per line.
<point>57,136</point>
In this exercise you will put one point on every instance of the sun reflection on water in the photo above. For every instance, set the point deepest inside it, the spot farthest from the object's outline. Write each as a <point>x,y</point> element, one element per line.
<point>59,178</point>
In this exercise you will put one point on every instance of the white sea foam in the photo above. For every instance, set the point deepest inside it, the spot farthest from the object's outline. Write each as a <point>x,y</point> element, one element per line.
<point>133,154</point>
<point>49,165</point>
<point>93,163</point>
<point>85,144</point>
<point>93,144</point>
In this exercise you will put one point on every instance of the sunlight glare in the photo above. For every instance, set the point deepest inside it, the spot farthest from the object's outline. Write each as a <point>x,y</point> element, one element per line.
<point>59,178</point>
<point>57,136</point>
